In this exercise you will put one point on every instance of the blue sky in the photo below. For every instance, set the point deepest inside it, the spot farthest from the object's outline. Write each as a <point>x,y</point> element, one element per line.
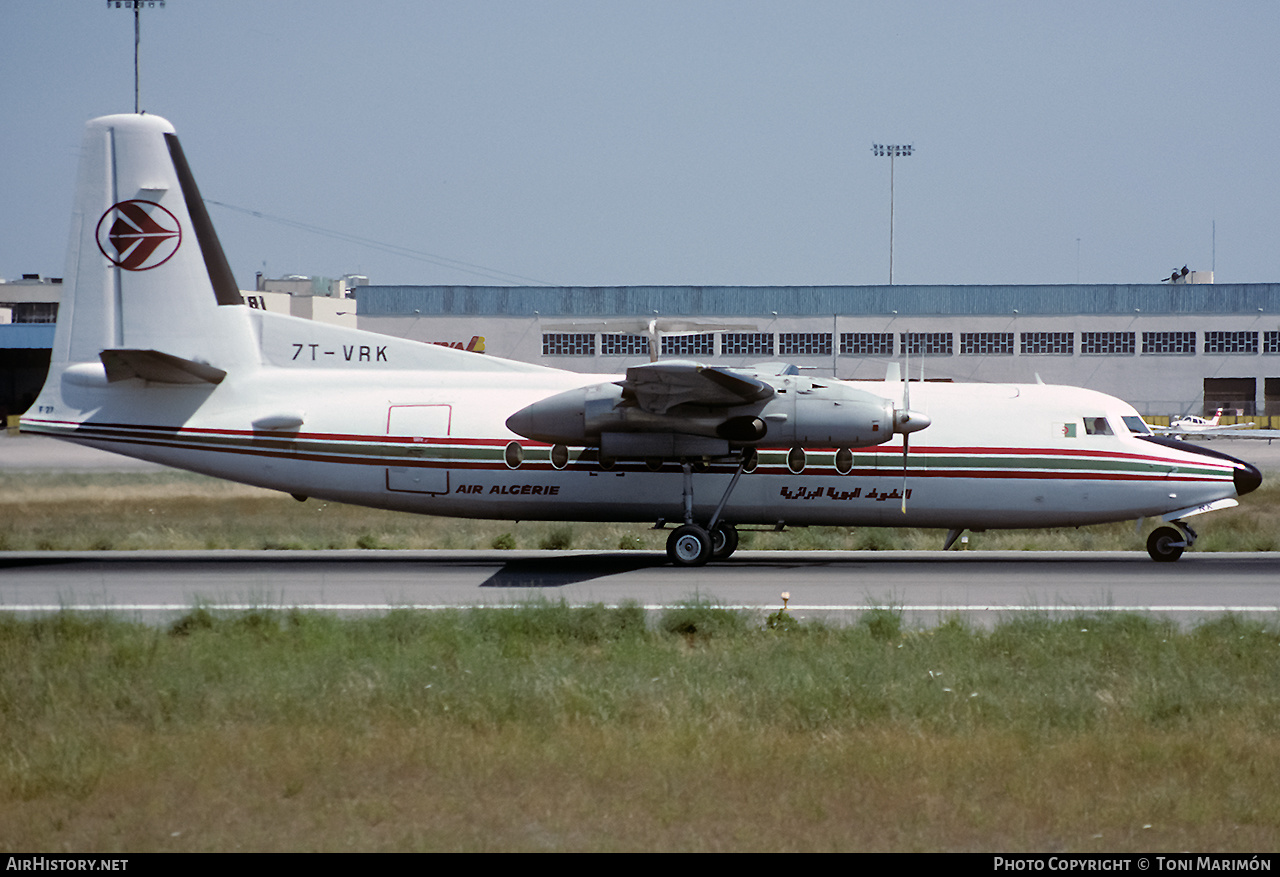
<point>696,142</point>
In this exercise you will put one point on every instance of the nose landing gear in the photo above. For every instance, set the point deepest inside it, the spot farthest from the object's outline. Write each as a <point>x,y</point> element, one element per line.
<point>1166,544</point>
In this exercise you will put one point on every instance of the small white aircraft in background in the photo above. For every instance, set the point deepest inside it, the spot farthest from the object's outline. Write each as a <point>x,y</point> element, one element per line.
<point>156,356</point>
<point>1192,424</point>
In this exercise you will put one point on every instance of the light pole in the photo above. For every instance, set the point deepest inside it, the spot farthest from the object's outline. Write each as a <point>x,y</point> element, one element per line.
<point>892,151</point>
<point>136,6</point>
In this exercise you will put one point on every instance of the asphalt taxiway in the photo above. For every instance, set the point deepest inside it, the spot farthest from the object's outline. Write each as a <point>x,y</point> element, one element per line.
<point>927,586</point>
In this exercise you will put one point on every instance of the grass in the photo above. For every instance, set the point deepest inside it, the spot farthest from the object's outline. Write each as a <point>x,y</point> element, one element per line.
<point>548,727</point>
<point>163,510</point>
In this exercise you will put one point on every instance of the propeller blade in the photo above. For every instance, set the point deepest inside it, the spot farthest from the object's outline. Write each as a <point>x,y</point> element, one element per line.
<point>906,376</point>
<point>906,421</point>
<point>906,411</point>
<point>906,443</point>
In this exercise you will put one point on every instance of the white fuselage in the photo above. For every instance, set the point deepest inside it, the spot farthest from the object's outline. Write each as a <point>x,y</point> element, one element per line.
<point>337,420</point>
<point>157,356</point>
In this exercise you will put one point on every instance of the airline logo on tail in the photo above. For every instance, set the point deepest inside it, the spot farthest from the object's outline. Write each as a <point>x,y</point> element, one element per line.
<point>141,234</point>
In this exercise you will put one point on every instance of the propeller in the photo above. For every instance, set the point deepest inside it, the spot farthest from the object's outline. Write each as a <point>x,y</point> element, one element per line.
<point>906,421</point>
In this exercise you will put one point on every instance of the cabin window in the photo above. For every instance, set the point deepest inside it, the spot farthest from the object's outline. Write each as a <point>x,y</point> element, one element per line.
<point>795,460</point>
<point>1097,426</point>
<point>559,456</point>
<point>514,455</point>
<point>844,461</point>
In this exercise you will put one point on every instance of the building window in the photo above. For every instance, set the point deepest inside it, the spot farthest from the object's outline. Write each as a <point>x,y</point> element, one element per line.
<point>1107,343</point>
<point>926,343</point>
<point>804,343</point>
<point>35,312</point>
<point>568,344</point>
<point>866,343</point>
<point>613,344</point>
<point>1230,342</point>
<point>986,344</point>
<point>746,344</point>
<point>689,345</point>
<point>1169,342</point>
<point>1271,342</point>
<point>1048,343</point>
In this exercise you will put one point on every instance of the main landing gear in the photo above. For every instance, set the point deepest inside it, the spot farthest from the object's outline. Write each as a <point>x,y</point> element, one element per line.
<point>1166,544</point>
<point>693,545</point>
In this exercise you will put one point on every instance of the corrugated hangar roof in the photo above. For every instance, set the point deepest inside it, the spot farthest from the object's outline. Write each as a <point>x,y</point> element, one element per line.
<point>608,301</point>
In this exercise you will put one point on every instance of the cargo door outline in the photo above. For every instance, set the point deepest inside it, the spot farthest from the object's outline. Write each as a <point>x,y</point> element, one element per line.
<point>420,424</point>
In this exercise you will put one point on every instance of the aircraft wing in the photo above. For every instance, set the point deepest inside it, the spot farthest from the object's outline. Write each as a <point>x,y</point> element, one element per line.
<point>660,386</point>
<point>1249,434</point>
<point>1229,430</point>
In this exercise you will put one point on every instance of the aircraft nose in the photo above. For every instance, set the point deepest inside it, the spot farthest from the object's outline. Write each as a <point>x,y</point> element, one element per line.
<point>1247,478</point>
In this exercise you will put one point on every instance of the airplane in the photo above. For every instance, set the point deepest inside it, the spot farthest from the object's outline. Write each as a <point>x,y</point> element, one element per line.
<point>156,356</point>
<point>1192,424</point>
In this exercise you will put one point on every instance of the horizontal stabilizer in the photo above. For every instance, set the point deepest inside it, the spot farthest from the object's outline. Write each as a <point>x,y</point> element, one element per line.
<point>160,368</point>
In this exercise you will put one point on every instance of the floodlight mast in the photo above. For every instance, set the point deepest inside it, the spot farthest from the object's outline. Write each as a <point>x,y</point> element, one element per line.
<point>136,6</point>
<point>893,150</point>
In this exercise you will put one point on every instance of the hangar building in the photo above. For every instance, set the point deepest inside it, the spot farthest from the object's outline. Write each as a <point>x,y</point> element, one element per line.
<point>1167,348</point>
<point>1182,346</point>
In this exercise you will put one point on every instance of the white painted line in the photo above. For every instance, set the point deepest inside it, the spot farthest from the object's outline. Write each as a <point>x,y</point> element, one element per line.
<point>382,607</point>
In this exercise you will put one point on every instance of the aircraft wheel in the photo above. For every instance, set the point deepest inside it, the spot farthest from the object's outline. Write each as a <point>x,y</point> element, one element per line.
<point>724,540</point>
<point>689,545</point>
<point>1166,544</point>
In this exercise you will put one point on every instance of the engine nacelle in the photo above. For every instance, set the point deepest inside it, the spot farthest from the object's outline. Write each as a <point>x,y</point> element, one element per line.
<point>827,416</point>
<point>801,411</point>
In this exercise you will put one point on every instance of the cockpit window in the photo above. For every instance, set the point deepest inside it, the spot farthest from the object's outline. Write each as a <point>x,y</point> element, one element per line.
<point>1137,425</point>
<point>1097,426</point>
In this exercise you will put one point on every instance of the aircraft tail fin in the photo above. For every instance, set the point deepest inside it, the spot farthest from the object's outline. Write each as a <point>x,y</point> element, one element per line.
<point>147,281</point>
